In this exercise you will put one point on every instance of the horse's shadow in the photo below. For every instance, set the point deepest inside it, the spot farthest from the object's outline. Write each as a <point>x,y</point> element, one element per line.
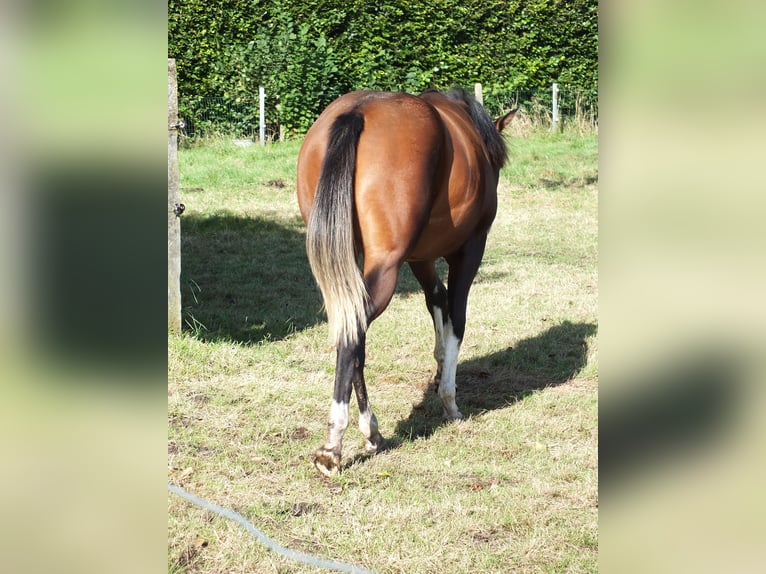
<point>500,379</point>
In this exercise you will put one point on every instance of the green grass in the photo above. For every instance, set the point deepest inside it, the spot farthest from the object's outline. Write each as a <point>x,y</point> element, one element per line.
<point>513,488</point>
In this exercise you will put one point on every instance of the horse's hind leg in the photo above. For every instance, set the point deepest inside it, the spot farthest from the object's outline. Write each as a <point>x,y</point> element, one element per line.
<point>349,371</point>
<point>368,423</point>
<point>436,301</point>
<point>349,364</point>
<point>381,281</point>
<point>463,266</point>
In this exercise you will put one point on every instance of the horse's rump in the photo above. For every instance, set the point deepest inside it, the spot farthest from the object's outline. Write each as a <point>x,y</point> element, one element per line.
<point>424,180</point>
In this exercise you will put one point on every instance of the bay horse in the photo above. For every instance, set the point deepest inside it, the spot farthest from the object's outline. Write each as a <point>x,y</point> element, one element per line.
<point>395,178</point>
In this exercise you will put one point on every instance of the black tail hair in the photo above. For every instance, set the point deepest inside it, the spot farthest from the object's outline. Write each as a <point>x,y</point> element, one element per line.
<point>330,234</point>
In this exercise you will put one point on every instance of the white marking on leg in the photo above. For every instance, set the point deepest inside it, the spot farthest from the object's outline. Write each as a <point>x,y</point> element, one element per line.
<point>337,425</point>
<point>449,370</point>
<point>439,332</point>
<point>368,424</point>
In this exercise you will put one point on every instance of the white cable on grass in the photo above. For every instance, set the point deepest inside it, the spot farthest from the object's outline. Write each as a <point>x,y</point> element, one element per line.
<point>265,540</point>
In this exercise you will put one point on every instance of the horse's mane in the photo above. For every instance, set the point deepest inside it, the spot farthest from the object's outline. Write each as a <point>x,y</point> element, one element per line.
<point>498,153</point>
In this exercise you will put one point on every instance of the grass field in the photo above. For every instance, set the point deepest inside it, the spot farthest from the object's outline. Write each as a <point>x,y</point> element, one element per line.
<point>513,488</point>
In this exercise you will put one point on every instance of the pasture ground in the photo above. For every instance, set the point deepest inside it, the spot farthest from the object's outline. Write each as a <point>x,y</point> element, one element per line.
<point>513,488</point>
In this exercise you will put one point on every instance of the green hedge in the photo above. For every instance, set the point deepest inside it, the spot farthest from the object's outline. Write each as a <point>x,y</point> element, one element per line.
<point>307,52</point>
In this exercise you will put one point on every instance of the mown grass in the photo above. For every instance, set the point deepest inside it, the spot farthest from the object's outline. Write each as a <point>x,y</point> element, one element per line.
<point>513,488</point>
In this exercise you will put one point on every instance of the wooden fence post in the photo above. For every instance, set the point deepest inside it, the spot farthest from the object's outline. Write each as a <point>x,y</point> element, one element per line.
<point>174,206</point>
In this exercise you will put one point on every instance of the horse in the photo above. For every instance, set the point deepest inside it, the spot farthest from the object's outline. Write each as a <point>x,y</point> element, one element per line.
<point>392,178</point>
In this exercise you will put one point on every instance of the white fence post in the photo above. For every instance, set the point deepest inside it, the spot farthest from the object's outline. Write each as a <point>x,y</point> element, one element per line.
<point>478,93</point>
<point>262,114</point>
<point>555,117</point>
<point>282,129</point>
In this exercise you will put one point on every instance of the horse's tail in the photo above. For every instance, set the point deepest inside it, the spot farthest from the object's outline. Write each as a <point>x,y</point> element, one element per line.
<point>330,234</point>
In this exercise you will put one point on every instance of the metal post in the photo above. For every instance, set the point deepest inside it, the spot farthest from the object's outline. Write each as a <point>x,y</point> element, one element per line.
<point>478,93</point>
<point>262,114</point>
<point>555,118</point>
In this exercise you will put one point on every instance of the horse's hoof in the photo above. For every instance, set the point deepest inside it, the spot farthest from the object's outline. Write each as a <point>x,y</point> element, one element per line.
<point>327,462</point>
<point>457,416</point>
<point>375,444</point>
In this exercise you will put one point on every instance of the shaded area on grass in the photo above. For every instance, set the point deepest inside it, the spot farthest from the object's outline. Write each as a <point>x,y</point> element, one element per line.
<point>246,279</point>
<point>505,377</point>
<point>407,283</point>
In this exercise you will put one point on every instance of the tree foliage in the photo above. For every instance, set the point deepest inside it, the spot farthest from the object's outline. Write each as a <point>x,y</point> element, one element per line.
<point>307,52</point>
